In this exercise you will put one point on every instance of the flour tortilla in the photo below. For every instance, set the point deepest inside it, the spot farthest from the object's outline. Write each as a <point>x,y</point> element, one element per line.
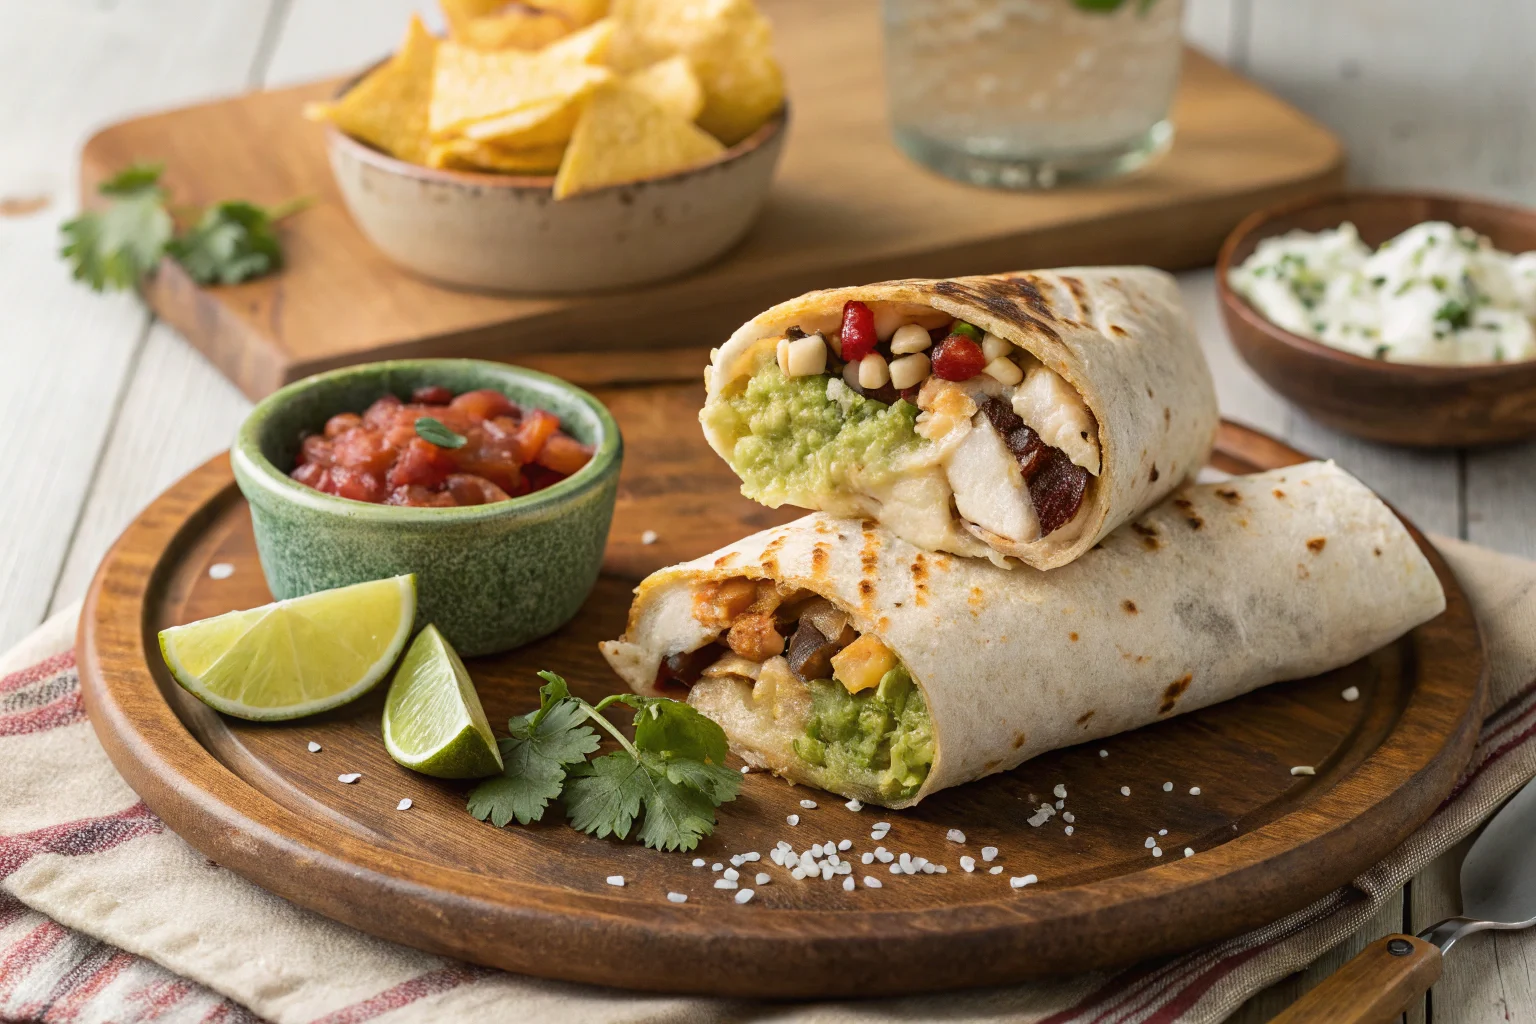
<point>1226,588</point>
<point>1119,335</point>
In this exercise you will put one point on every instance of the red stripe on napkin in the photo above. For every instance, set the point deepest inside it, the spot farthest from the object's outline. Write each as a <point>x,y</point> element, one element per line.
<point>78,838</point>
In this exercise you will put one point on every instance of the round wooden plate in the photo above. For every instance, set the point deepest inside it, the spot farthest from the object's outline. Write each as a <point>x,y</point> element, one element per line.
<point>535,899</point>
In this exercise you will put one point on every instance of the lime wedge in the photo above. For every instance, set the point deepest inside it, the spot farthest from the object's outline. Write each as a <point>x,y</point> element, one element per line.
<point>296,657</point>
<point>433,721</point>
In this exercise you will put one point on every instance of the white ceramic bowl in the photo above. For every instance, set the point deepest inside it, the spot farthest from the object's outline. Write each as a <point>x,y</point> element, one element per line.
<point>506,233</point>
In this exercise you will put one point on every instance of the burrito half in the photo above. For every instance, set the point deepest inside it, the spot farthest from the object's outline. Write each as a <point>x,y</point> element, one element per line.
<point>1024,414</point>
<point>838,655</point>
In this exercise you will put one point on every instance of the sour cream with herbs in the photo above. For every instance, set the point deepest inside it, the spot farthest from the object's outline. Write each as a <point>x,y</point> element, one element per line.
<point>1434,294</point>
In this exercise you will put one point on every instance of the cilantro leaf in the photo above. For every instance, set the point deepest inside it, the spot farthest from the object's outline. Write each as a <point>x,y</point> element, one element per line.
<point>535,758</point>
<point>234,241</point>
<point>719,784</point>
<point>603,796</point>
<point>115,247</point>
<point>672,727</point>
<point>677,816</point>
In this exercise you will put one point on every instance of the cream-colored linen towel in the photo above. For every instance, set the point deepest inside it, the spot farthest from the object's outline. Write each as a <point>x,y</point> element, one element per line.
<point>105,915</point>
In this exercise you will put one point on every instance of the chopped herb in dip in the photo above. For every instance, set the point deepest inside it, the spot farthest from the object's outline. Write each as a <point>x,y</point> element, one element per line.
<point>1434,294</point>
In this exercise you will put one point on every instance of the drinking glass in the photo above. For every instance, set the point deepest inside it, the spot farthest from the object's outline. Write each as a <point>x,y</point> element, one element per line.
<point>1032,93</point>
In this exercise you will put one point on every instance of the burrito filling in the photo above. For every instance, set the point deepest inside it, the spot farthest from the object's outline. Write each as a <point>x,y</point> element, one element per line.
<point>799,690</point>
<point>953,437</point>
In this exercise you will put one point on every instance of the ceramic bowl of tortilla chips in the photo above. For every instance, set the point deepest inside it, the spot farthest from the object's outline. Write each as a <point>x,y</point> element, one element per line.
<point>566,168</point>
<point>501,232</point>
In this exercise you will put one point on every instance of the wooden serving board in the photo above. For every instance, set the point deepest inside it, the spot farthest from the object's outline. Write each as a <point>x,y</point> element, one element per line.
<point>534,899</point>
<point>847,208</point>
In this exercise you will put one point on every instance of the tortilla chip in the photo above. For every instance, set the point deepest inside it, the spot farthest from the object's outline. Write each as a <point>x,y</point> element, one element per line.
<point>728,43</point>
<point>579,13</point>
<point>465,154</point>
<point>588,46</point>
<point>543,124</point>
<point>472,85</point>
<point>459,13</point>
<point>516,28</point>
<point>624,136</point>
<point>671,85</point>
<point>389,107</point>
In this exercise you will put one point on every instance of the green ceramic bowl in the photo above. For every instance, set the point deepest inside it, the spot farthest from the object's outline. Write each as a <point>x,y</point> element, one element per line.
<point>490,576</point>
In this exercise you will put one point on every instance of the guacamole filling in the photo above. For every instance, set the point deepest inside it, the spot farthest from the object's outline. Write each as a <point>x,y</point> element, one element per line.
<point>801,438</point>
<point>880,739</point>
<point>799,690</point>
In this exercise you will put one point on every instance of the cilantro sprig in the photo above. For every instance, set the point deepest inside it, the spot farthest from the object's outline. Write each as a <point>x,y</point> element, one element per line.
<point>119,245</point>
<point>663,786</point>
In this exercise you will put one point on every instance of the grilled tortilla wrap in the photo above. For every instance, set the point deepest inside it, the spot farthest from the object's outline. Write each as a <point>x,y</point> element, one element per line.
<point>1100,366</point>
<point>1221,590</point>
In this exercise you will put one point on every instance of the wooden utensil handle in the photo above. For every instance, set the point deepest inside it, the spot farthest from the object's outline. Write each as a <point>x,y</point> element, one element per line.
<point>1373,988</point>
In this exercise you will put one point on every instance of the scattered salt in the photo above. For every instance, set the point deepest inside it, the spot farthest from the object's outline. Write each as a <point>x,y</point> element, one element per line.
<point>678,897</point>
<point>793,819</point>
<point>1303,769</point>
<point>763,878</point>
<point>1157,851</point>
<point>1188,852</point>
<point>1167,787</point>
<point>314,748</point>
<point>1194,790</point>
<point>1069,830</point>
<point>698,862</point>
<point>845,844</point>
<point>896,869</point>
<point>1351,693</point>
<point>1020,881</point>
<point>1150,842</point>
<point>724,883</point>
<point>404,804</point>
<point>1067,817</point>
<point>1060,791</point>
<point>848,884</point>
<point>617,880</point>
<point>995,871</point>
<point>1103,753</point>
<point>989,853</point>
<point>883,855</point>
<point>954,835</point>
<point>1125,790</point>
<point>809,805</point>
<point>220,571</point>
<point>732,874</point>
<point>753,856</point>
<point>1162,831</point>
<point>744,896</point>
<point>648,537</point>
<point>871,882</point>
<point>349,778</point>
<point>737,861</point>
<point>746,769</point>
<point>881,826</point>
<point>716,866</point>
<point>854,805</point>
<point>867,858</point>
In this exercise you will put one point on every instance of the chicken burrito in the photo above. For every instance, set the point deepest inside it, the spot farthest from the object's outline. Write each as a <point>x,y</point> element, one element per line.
<point>838,655</point>
<point>1024,414</point>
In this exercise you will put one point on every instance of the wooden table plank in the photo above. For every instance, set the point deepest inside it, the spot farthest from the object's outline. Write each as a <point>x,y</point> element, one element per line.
<point>64,68</point>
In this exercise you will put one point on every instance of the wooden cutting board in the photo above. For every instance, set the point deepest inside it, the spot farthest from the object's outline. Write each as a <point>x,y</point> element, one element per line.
<point>846,208</point>
<point>534,899</point>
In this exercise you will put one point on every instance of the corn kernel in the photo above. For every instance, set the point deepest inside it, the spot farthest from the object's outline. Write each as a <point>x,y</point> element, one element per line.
<point>862,663</point>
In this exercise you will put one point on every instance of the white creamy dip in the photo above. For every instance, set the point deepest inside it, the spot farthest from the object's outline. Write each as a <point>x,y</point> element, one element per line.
<point>1434,294</point>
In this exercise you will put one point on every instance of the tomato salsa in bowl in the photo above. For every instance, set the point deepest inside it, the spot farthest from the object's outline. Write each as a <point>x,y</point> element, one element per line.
<point>503,524</point>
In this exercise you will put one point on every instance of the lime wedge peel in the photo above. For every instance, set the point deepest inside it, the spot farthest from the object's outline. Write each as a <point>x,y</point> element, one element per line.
<point>433,721</point>
<point>296,657</point>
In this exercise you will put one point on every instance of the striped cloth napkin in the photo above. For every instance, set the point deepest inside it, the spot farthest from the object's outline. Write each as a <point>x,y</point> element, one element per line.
<point>107,916</point>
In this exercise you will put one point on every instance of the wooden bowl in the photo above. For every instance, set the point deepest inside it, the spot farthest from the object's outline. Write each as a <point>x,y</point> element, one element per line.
<point>500,232</point>
<point>1398,403</point>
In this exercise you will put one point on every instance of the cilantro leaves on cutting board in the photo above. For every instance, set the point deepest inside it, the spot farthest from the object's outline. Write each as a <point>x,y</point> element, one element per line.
<point>664,786</point>
<point>117,246</point>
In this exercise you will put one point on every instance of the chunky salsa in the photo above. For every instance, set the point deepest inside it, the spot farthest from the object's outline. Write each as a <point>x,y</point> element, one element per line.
<point>439,449</point>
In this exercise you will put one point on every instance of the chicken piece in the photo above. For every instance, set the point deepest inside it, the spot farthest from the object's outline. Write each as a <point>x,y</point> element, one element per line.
<point>989,487</point>
<point>1059,415</point>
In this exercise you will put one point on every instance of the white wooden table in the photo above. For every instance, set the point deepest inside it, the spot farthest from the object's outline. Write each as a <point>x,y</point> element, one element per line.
<point>101,407</point>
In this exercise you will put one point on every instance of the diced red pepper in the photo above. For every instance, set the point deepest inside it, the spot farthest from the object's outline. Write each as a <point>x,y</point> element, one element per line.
<point>312,474</point>
<point>341,423</point>
<point>357,484</point>
<point>563,454</point>
<point>316,449</point>
<point>422,463</point>
<point>432,394</point>
<point>958,358</point>
<point>365,450</point>
<point>858,332</point>
<point>537,428</point>
<point>381,414</point>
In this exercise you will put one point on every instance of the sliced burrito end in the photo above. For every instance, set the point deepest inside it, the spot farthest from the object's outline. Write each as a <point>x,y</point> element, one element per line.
<point>1017,414</point>
<point>838,655</point>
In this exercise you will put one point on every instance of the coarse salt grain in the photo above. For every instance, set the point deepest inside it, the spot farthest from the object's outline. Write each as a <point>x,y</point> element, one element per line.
<point>404,804</point>
<point>314,748</point>
<point>866,858</point>
<point>845,844</point>
<point>349,778</point>
<point>883,826</point>
<point>848,884</point>
<point>1162,831</point>
<point>793,819</point>
<point>716,866</point>
<point>753,856</point>
<point>809,805</point>
<point>854,805</point>
<point>736,861</point>
<point>1194,790</point>
<point>871,882</point>
<point>896,869</point>
<point>648,537</point>
<point>883,855</point>
<point>1020,881</point>
<point>698,862</point>
<point>732,874</point>
<point>745,896</point>
<point>1167,787</point>
<point>827,871</point>
<point>220,571</point>
<point>1060,791</point>
<point>1188,852</point>
<point>1060,804</point>
<point>1351,693</point>
<point>724,883</point>
<point>678,897</point>
<point>995,871</point>
<point>1303,769</point>
<point>1103,753</point>
<point>797,874</point>
<point>989,853</point>
<point>617,880</point>
<point>1157,851</point>
<point>1067,817</point>
<point>1069,830</point>
<point>954,835</point>
<point>1125,790</point>
<point>1150,842</point>
<point>763,878</point>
